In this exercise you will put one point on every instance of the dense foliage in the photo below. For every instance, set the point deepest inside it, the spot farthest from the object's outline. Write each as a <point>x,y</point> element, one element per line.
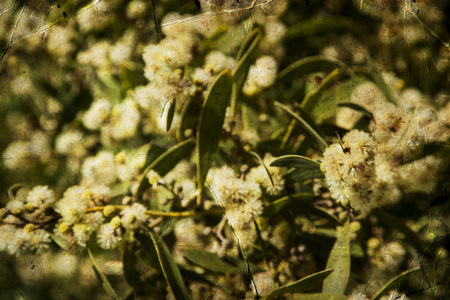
<point>224,149</point>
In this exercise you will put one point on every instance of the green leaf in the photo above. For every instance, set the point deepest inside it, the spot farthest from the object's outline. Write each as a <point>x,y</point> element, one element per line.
<point>153,153</point>
<point>212,262</point>
<point>166,162</point>
<point>130,296</point>
<point>395,282</point>
<point>211,122</point>
<point>295,161</point>
<point>319,296</point>
<point>105,283</point>
<point>303,285</point>
<point>301,175</point>
<point>249,43</point>
<point>130,77</point>
<point>170,113</point>
<point>244,62</point>
<point>356,107</point>
<point>169,268</point>
<point>148,254</point>
<point>339,261</point>
<point>109,86</point>
<point>313,133</point>
<point>306,168</point>
<point>393,222</point>
<point>189,116</point>
<point>326,107</point>
<point>324,25</point>
<point>13,190</point>
<point>311,64</point>
<point>313,98</point>
<point>230,40</point>
<point>130,271</point>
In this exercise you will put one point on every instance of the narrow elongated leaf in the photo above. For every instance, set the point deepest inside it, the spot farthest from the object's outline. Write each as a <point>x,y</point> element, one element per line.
<point>295,161</point>
<point>313,98</point>
<point>395,282</point>
<point>326,107</point>
<point>324,25</point>
<point>130,271</point>
<point>109,86</point>
<point>305,125</point>
<point>319,296</point>
<point>153,153</point>
<point>306,168</point>
<point>211,261</point>
<point>130,296</point>
<point>311,64</point>
<point>166,162</point>
<point>356,107</point>
<point>169,268</point>
<point>105,283</point>
<point>211,122</point>
<point>339,261</point>
<point>170,113</point>
<point>244,63</point>
<point>301,175</point>
<point>189,116</point>
<point>245,59</point>
<point>303,285</point>
<point>148,256</point>
<point>248,43</point>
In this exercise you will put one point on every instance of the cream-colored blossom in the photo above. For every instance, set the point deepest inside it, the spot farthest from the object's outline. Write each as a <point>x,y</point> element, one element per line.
<point>260,176</point>
<point>73,205</point>
<point>240,198</point>
<point>261,75</point>
<point>108,237</point>
<point>125,118</point>
<point>98,114</point>
<point>100,169</point>
<point>133,216</point>
<point>41,195</point>
<point>96,55</point>
<point>216,62</point>
<point>136,9</point>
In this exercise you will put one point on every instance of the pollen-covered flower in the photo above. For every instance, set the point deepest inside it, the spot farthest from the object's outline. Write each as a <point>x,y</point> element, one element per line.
<point>216,62</point>
<point>82,233</point>
<point>108,237</point>
<point>41,195</point>
<point>17,241</point>
<point>100,169</point>
<point>125,118</point>
<point>73,205</point>
<point>133,216</point>
<point>98,114</point>
<point>351,174</point>
<point>261,75</point>
<point>241,198</point>
<point>260,176</point>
